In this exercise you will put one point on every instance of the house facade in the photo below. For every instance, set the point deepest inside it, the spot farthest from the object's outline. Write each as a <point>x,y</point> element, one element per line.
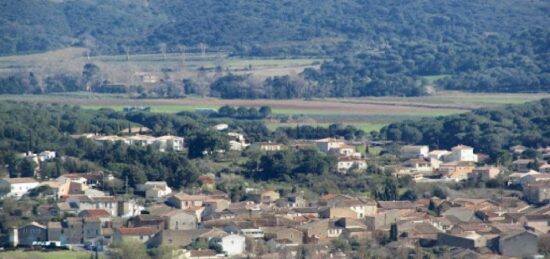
<point>18,187</point>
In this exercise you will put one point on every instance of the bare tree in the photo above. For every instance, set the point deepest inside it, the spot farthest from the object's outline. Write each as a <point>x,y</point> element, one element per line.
<point>203,48</point>
<point>127,51</point>
<point>162,48</point>
<point>89,44</point>
<point>181,63</point>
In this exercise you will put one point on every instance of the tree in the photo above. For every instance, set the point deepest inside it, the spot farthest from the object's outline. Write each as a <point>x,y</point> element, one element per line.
<point>129,249</point>
<point>186,174</point>
<point>409,195</point>
<point>439,193</point>
<point>165,252</point>
<point>265,111</point>
<point>393,232</point>
<point>206,143</point>
<point>388,191</point>
<point>43,190</point>
<point>27,167</point>
<point>91,76</point>
<point>134,175</point>
<point>214,244</point>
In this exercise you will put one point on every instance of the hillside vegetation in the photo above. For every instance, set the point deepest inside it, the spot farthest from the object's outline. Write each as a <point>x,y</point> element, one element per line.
<point>376,47</point>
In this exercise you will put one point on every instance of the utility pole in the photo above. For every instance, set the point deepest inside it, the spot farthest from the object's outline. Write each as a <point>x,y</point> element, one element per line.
<point>203,48</point>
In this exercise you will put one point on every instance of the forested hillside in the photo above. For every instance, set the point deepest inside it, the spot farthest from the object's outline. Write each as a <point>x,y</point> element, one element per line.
<point>377,47</point>
<point>488,130</point>
<point>246,26</point>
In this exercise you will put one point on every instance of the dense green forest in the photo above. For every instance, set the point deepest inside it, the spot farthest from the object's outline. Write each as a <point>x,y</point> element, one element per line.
<point>377,47</point>
<point>490,131</point>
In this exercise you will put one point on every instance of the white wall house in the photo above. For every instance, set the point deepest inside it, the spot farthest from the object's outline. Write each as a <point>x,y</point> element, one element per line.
<point>162,143</point>
<point>46,155</point>
<point>155,189</point>
<point>346,164</point>
<point>326,144</point>
<point>408,152</point>
<point>169,142</point>
<point>18,186</point>
<point>461,153</point>
<point>233,244</point>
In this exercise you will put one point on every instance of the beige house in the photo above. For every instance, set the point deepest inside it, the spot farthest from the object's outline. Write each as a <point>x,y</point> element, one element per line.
<point>457,171</point>
<point>185,201</point>
<point>485,172</point>
<point>268,196</point>
<point>141,234</point>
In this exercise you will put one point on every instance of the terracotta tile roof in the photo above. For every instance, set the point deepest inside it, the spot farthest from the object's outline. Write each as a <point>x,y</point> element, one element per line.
<point>396,205</point>
<point>146,231</point>
<point>95,213</point>
<point>186,197</point>
<point>201,253</point>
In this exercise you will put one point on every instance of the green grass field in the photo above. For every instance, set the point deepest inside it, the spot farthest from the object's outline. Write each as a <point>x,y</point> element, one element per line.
<point>44,255</point>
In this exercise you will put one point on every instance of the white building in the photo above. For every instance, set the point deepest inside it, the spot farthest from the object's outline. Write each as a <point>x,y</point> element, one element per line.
<point>438,154</point>
<point>266,146</point>
<point>346,164</point>
<point>461,153</point>
<point>162,143</point>
<point>233,244</point>
<point>256,233</point>
<point>169,142</point>
<point>408,152</point>
<point>154,189</point>
<point>328,144</point>
<point>220,127</point>
<point>237,141</point>
<point>18,186</point>
<point>46,155</point>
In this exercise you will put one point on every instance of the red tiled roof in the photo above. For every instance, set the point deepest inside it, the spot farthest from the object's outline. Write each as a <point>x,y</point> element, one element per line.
<point>137,231</point>
<point>96,213</point>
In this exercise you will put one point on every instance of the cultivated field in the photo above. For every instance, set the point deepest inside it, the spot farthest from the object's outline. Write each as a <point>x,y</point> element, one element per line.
<point>369,113</point>
<point>175,66</point>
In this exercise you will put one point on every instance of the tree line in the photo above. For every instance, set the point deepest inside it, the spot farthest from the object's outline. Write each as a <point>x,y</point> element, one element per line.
<point>490,130</point>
